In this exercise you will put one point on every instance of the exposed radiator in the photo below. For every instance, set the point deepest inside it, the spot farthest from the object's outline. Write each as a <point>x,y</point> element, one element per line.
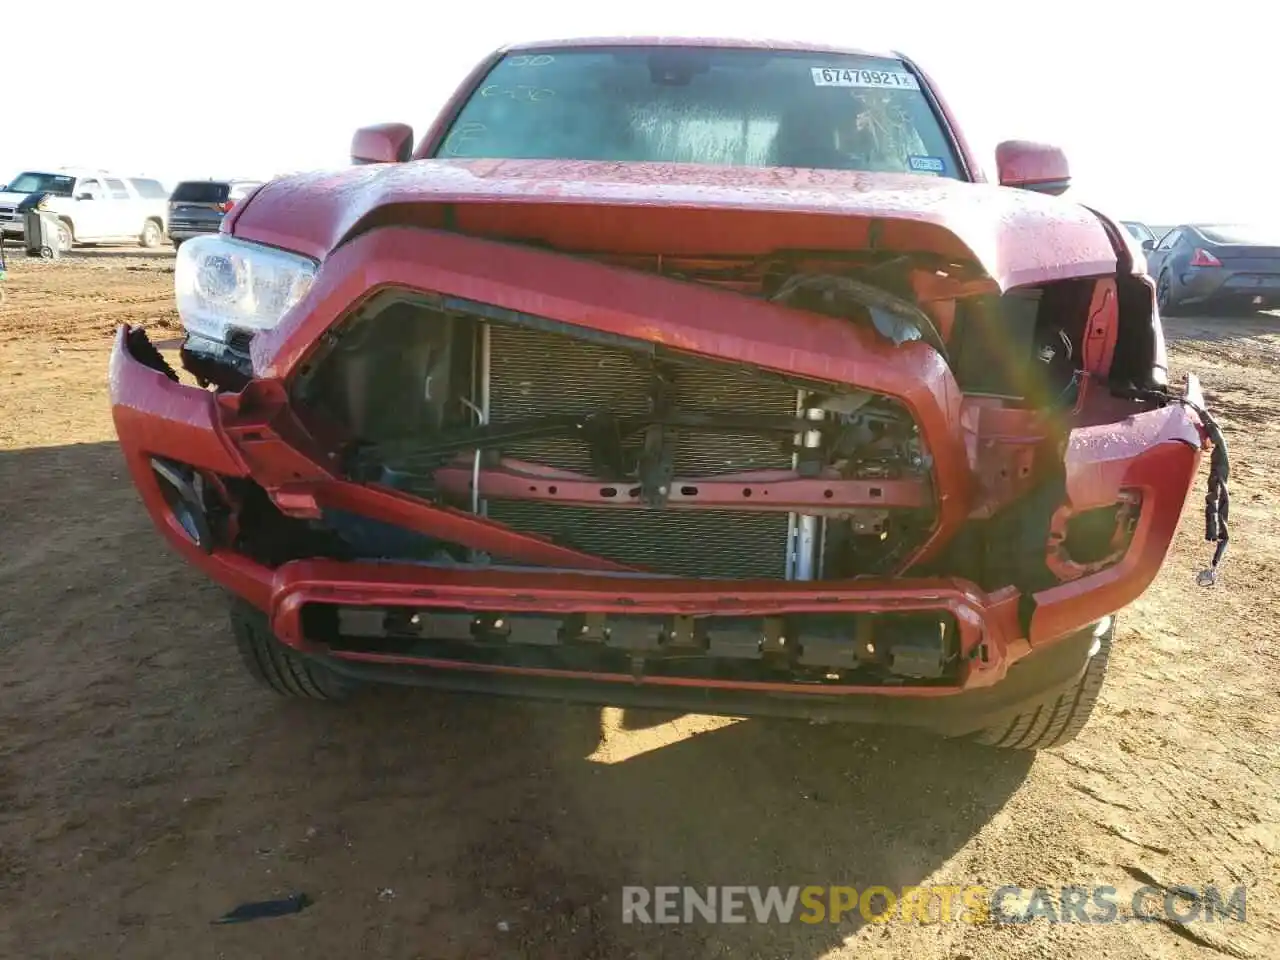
<point>691,543</point>
<point>535,373</point>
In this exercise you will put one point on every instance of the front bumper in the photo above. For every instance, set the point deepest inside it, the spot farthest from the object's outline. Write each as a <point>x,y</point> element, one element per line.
<point>1155,454</point>
<point>951,711</point>
<point>188,230</point>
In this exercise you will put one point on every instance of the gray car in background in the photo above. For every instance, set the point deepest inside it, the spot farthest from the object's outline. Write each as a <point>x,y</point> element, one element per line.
<point>1219,267</point>
<point>197,206</point>
<point>1138,230</point>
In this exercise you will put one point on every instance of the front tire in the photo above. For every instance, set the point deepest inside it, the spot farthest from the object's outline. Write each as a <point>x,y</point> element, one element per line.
<point>278,667</point>
<point>151,234</point>
<point>1059,719</point>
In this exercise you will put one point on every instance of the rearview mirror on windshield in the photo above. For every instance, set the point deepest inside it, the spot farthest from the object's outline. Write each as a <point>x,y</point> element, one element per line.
<point>1033,166</point>
<point>382,143</point>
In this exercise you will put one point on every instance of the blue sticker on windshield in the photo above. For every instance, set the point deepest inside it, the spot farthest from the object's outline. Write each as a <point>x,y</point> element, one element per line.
<point>926,164</point>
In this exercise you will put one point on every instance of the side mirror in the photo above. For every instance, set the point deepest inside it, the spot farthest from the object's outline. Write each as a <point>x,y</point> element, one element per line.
<point>1033,166</point>
<point>1148,246</point>
<point>84,195</point>
<point>382,143</point>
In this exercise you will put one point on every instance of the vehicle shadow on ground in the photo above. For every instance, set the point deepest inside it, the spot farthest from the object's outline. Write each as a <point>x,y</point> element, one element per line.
<point>163,252</point>
<point>419,823</point>
<point>548,824</point>
<point>15,252</point>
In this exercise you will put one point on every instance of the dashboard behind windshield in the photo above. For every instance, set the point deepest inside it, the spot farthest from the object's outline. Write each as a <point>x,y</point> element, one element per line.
<point>734,107</point>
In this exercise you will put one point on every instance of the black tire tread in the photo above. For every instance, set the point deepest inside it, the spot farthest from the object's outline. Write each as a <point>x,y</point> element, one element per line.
<point>1060,719</point>
<point>277,667</point>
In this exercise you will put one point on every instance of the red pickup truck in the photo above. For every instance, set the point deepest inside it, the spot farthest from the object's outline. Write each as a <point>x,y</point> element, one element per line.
<point>707,375</point>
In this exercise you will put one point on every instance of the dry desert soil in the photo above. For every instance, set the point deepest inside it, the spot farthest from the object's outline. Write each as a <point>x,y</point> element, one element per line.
<point>147,786</point>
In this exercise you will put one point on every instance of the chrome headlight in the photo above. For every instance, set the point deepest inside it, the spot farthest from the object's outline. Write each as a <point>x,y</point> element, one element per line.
<point>224,284</point>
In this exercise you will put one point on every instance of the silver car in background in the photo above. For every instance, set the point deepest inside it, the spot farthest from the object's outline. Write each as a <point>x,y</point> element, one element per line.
<point>197,206</point>
<point>1138,230</point>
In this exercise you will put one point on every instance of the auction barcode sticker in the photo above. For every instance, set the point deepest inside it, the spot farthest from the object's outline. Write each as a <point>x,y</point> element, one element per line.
<point>855,77</point>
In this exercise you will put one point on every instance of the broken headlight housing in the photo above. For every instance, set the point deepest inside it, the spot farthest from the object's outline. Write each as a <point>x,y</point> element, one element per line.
<point>224,285</point>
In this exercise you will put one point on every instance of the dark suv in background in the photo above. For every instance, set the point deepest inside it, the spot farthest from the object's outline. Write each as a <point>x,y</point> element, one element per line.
<point>198,206</point>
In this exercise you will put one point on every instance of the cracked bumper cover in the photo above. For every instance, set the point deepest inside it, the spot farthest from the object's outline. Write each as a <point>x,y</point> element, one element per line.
<point>156,417</point>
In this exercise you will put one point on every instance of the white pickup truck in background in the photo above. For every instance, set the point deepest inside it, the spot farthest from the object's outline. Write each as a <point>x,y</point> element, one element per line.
<point>93,206</point>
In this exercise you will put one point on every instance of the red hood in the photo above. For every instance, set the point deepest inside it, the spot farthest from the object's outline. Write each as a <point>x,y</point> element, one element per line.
<point>1017,237</point>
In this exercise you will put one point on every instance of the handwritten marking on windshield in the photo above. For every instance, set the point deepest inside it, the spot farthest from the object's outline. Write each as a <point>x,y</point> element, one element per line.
<point>529,60</point>
<point>463,134</point>
<point>521,93</point>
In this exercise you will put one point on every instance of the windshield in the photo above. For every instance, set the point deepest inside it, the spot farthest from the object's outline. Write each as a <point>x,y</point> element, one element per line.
<point>58,184</point>
<point>754,108</point>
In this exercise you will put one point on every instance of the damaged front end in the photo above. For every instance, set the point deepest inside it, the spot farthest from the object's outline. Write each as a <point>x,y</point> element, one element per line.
<point>806,477</point>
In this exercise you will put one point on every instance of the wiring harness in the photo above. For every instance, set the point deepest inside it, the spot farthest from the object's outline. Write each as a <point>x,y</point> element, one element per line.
<point>1217,499</point>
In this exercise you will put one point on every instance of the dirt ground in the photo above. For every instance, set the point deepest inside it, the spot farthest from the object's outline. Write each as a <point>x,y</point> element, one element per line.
<point>146,786</point>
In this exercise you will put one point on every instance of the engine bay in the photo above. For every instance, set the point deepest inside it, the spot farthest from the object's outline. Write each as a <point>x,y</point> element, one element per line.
<point>641,453</point>
<point>644,455</point>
